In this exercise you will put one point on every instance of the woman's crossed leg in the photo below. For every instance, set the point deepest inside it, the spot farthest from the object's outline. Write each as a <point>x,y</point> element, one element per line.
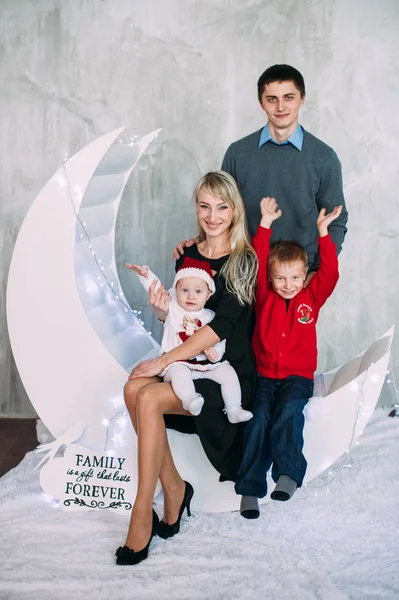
<point>147,400</point>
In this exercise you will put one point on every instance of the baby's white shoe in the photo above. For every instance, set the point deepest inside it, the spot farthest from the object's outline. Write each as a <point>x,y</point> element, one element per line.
<point>237,414</point>
<point>194,406</point>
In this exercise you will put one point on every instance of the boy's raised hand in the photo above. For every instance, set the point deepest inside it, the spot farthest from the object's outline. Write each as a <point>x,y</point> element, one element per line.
<point>142,271</point>
<point>324,220</point>
<point>270,211</point>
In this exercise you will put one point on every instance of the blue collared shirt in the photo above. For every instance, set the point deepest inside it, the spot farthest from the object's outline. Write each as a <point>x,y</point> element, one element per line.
<point>296,138</point>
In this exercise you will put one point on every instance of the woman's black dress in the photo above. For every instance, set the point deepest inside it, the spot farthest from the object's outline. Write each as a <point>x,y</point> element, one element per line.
<point>221,439</point>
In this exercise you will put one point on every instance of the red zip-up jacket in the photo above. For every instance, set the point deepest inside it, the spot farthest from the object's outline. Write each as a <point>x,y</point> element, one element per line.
<point>285,341</point>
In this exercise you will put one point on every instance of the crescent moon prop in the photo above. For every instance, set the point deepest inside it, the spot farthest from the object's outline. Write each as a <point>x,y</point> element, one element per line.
<point>74,337</point>
<point>71,333</point>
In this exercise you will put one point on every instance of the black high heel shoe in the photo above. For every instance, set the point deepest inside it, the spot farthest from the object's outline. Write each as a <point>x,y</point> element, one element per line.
<point>166,531</point>
<point>127,556</point>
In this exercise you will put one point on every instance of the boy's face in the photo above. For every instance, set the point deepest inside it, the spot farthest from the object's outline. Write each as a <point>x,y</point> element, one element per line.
<point>287,279</point>
<point>281,101</point>
<point>192,293</point>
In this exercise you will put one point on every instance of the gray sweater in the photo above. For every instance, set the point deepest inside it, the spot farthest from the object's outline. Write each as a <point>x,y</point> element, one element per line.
<point>302,182</point>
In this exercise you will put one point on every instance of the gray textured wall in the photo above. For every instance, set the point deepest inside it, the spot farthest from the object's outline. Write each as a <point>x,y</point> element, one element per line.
<point>71,71</point>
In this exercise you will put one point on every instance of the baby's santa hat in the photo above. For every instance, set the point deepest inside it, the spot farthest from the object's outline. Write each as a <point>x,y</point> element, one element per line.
<point>196,268</point>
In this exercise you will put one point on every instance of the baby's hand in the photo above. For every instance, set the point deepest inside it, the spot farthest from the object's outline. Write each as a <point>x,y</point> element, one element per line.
<point>270,211</point>
<point>324,220</point>
<point>142,271</point>
<point>160,300</point>
<point>211,354</point>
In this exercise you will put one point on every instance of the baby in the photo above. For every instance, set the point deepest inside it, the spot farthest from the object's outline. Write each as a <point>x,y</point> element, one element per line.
<point>192,287</point>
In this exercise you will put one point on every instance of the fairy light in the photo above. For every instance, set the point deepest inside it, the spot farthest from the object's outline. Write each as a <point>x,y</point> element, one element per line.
<point>117,402</point>
<point>52,501</point>
<point>64,182</point>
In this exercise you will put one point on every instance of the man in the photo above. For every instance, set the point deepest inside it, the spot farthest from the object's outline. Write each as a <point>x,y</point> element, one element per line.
<point>286,162</point>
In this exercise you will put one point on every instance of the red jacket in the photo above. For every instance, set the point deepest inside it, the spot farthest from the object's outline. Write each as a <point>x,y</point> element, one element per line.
<point>284,340</point>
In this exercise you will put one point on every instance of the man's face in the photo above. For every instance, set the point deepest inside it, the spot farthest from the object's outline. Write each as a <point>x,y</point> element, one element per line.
<point>287,279</point>
<point>281,101</point>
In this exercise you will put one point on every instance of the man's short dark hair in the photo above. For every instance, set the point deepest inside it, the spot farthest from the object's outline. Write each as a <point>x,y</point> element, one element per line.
<point>281,73</point>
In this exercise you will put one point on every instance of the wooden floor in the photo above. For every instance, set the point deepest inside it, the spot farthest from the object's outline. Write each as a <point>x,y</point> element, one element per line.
<point>17,437</point>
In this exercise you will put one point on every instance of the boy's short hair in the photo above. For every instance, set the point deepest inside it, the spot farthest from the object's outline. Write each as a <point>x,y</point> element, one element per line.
<point>281,73</point>
<point>286,252</point>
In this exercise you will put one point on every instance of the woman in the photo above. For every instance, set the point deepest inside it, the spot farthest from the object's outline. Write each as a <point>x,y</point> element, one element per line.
<point>151,403</point>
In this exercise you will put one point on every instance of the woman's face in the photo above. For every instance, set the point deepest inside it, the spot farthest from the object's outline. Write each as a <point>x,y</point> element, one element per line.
<point>214,215</point>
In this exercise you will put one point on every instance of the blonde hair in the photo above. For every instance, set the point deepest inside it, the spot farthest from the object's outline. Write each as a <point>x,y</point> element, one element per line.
<point>241,268</point>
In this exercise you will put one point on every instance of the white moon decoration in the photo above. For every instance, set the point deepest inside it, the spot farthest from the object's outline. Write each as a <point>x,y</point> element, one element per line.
<point>72,336</point>
<point>74,339</point>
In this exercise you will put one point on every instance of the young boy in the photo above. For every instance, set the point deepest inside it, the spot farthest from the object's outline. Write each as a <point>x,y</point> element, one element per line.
<point>192,287</point>
<point>285,348</point>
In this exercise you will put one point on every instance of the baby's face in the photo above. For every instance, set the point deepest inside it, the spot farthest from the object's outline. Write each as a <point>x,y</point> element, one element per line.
<point>192,293</point>
<point>287,279</point>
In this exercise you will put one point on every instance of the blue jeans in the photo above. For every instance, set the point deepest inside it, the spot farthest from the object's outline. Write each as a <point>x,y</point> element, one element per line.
<point>274,435</point>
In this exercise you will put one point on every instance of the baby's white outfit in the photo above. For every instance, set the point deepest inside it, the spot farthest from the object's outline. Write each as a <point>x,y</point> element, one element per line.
<point>179,326</point>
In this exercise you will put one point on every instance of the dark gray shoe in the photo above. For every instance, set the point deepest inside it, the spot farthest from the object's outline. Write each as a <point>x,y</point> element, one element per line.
<point>249,507</point>
<point>285,488</point>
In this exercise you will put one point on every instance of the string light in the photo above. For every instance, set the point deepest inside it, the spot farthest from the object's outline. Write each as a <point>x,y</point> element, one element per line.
<point>64,182</point>
<point>76,197</point>
<point>52,501</point>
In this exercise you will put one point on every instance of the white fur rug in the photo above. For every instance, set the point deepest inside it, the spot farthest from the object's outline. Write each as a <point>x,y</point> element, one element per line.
<point>339,545</point>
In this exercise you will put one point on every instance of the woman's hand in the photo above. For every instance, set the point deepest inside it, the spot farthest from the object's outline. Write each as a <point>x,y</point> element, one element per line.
<point>142,271</point>
<point>181,245</point>
<point>324,220</point>
<point>148,368</point>
<point>270,211</point>
<point>159,300</point>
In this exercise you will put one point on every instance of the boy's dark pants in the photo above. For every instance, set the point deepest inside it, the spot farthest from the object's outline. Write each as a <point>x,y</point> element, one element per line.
<point>275,434</point>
